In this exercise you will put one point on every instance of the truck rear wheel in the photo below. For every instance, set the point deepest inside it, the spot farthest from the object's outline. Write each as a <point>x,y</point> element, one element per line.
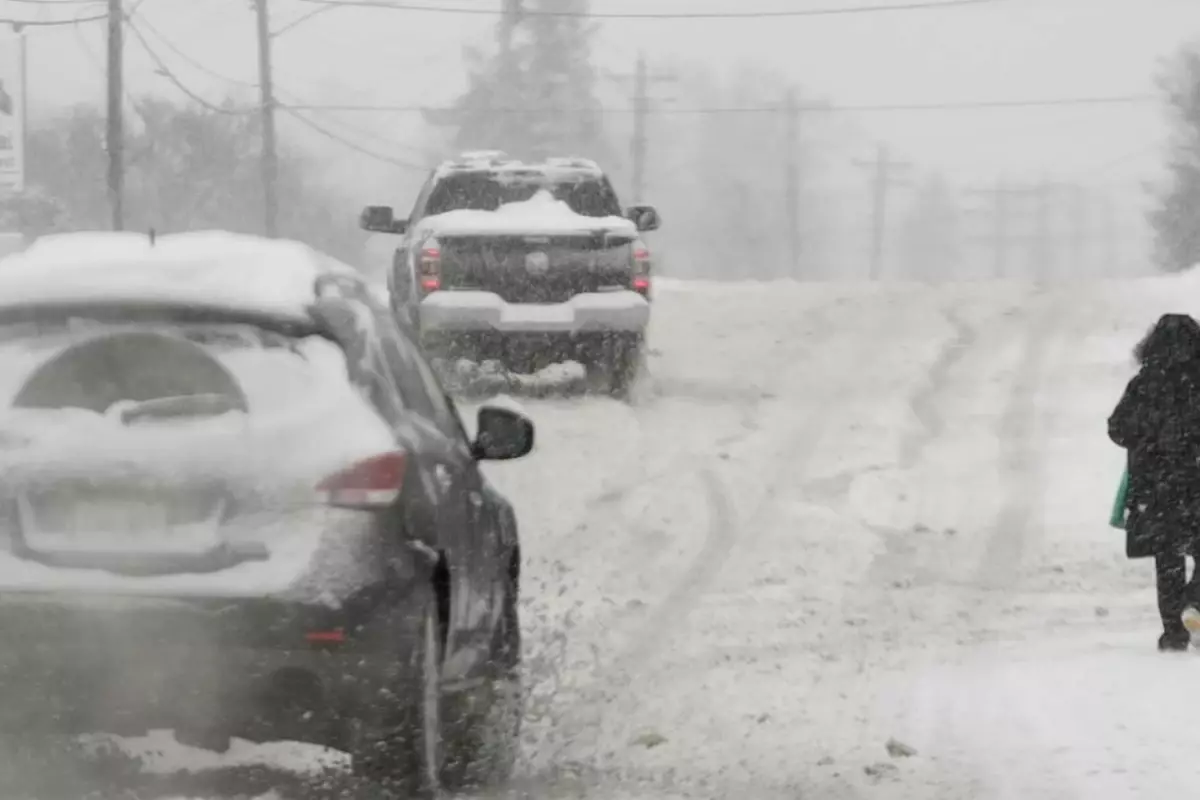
<point>618,364</point>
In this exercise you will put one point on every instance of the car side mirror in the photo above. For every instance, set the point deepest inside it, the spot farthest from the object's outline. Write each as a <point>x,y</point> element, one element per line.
<point>644,217</point>
<point>381,219</point>
<point>502,434</point>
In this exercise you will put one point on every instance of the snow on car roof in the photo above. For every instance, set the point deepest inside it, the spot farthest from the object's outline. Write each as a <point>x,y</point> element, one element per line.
<point>277,277</point>
<point>540,214</point>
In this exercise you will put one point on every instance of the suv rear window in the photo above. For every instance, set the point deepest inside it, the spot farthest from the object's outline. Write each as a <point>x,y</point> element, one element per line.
<point>487,191</point>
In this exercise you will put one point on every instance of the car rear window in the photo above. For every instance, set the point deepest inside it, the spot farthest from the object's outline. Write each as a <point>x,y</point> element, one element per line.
<point>270,371</point>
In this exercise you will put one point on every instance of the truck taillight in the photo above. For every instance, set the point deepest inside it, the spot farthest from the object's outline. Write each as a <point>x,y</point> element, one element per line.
<point>429,268</point>
<point>374,483</point>
<point>641,270</point>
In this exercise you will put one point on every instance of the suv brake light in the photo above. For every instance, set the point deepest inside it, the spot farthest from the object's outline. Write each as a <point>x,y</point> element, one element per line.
<point>372,483</point>
<point>641,269</point>
<point>429,268</point>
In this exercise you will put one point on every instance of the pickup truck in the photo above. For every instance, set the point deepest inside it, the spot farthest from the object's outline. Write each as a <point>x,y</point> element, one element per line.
<point>527,264</point>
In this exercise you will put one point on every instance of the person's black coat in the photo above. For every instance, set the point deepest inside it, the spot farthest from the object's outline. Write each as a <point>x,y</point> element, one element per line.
<point>1158,422</point>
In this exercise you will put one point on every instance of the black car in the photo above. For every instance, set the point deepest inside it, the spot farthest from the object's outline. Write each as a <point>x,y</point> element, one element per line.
<point>237,503</point>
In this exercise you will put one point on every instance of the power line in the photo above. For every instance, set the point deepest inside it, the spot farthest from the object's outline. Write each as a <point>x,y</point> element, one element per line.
<point>965,105</point>
<point>51,23</point>
<point>349,144</point>
<point>189,59</point>
<point>810,12</point>
<point>291,109</point>
<point>169,75</point>
<point>342,129</point>
<point>302,19</point>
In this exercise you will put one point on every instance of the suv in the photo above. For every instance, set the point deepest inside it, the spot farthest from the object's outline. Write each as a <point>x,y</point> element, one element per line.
<point>525,263</point>
<point>236,502</point>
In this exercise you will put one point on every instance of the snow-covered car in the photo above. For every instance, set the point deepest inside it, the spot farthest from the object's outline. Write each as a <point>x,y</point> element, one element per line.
<point>528,264</point>
<point>237,503</point>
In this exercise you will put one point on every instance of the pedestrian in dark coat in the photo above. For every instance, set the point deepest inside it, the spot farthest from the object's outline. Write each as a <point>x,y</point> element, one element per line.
<point>1158,422</point>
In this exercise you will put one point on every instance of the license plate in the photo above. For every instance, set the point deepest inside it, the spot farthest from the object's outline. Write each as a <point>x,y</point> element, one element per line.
<point>88,515</point>
<point>115,520</point>
<point>117,516</point>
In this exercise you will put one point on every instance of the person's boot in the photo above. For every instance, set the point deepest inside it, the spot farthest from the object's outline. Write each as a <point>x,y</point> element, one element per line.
<point>1176,639</point>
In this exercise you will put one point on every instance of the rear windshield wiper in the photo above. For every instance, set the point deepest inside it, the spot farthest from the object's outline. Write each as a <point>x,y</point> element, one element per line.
<point>190,405</point>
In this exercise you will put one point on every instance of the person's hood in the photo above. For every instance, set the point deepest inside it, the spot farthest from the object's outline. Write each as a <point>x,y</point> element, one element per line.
<point>1174,338</point>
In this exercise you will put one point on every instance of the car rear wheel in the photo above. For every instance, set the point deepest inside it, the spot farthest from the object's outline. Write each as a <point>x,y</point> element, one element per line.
<point>402,753</point>
<point>485,742</point>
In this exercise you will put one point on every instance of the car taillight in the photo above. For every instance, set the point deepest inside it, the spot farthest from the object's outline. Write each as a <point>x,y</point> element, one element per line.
<point>641,270</point>
<point>429,265</point>
<point>373,483</point>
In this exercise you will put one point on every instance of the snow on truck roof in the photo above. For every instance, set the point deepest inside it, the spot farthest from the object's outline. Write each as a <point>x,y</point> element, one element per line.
<point>541,214</point>
<point>499,163</point>
<point>276,277</point>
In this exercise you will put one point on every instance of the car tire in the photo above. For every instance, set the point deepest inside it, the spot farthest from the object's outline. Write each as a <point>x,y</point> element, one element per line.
<point>485,743</point>
<point>401,752</point>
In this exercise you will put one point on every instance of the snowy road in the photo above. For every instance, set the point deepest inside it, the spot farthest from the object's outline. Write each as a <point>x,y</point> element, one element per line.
<point>838,516</point>
<point>851,515</point>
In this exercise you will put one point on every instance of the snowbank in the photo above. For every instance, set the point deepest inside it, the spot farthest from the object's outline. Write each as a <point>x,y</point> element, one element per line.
<point>540,214</point>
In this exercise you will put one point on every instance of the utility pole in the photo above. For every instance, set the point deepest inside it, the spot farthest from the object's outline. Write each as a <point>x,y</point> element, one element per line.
<point>1040,241</point>
<point>269,158</point>
<point>638,147</point>
<point>1110,238</point>
<point>115,135</point>
<point>1040,249</point>
<point>642,79</point>
<point>886,173</point>
<point>999,196</point>
<point>1078,230</point>
<point>510,16</point>
<point>791,187</point>
<point>507,77</point>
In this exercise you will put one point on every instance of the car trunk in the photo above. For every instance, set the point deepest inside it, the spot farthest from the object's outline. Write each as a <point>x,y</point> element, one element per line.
<point>136,456</point>
<point>524,268</point>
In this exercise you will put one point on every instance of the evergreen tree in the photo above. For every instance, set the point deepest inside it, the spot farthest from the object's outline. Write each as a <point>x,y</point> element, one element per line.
<point>534,96</point>
<point>1176,217</point>
<point>188,167</point>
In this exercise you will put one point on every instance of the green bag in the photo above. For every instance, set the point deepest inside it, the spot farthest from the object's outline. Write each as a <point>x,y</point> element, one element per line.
<point>1117,518</point>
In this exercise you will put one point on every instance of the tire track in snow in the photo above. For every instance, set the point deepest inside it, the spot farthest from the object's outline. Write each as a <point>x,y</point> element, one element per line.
<point>576,708</point>
<point>900,553</point>
<point>845,364</point>
<point>999,565</point>
<point>785,463</point>
<point>873,654</point>
<point>720,538</point>
<point>639,477</point>
<point>612,686</point>
<point>924,402</point>
<point>996,564</point>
